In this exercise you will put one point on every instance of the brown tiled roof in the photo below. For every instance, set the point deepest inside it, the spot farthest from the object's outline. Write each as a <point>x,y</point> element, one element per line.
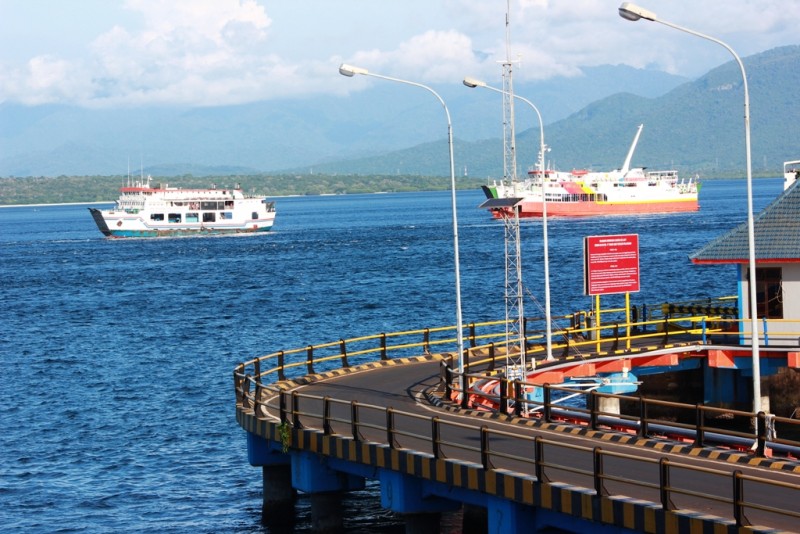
<point>776,231</point>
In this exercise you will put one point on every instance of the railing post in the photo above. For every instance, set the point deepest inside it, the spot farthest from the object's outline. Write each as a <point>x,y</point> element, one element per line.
<point>591,403</point>
<point>390,427</point>
<point>343,349</point>
<point>761,432</point>
<point>517,398</point>
<point>700,425</point>
<point>465,390</point>
<point>504,395</point>
<point>282,407</point>
<point>538,459</point>
<point>245,392</point>
<point>435,437</point>
<point>257,368</point>
<point>384,353</point>
<point>597,463</point>
<point>643,430</point>
<point>491,357</point>
<point>547,413</point>
<point>426,340</point>
<point>281,373</point>
<point>295,411</point>
<point>472,334</point>
<point>310,359</point>
<point>664,484</point>
<point>486,460</point>
<point>666,331</point>
<point>635,319</point>
<point>354,421</point>
<point>448,387</point>
<point>616,337</point>
<point>738,500</point>
<point>326,416</point>
<point>257,399</point>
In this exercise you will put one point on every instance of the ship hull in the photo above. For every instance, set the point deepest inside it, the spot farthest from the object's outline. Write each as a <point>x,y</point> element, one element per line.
<point>594,209</point>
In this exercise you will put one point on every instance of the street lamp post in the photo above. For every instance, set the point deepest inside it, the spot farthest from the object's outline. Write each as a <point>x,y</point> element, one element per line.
<point>471,82</point>
<point>632,12</point>
<point>350,71</point>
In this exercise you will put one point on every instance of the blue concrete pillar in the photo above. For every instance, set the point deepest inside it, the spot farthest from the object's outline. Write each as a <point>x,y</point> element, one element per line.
<point>261,451</point>
<point>406,494</point>
<point>312,474</point>
<point>508,517</point>
<point>726,388</point>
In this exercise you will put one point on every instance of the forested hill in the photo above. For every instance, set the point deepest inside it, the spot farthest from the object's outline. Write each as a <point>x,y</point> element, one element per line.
<point>697,127</point>
<point>78,189</point>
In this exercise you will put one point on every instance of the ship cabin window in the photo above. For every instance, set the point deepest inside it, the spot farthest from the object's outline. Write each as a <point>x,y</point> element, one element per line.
<point>229,204</point>
<point>226,215</point>
<point>174,217</point>
<point>769,296</point>
<point>209,216</point>
<point>209,205</point>
<point>254,215</point>
<point>156,216</point>
<point>191,217</point>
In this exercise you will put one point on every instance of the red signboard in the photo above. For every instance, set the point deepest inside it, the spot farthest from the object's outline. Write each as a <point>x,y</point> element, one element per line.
<point>611,264</point>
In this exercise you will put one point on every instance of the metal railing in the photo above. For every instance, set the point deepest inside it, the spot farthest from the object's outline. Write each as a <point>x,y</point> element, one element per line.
<point>737,497</point>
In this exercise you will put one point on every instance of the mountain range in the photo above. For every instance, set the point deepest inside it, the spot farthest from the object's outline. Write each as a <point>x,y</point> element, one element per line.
<point>590,120</point>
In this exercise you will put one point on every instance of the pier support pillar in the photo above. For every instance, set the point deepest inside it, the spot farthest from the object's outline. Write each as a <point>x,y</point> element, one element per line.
<point>474,519</point>
<point>427,523</point>
<point>326,512</point>
<point>405,494</point>
<point>726,388</point>
<point>608,405</point>
<point>277,508</point>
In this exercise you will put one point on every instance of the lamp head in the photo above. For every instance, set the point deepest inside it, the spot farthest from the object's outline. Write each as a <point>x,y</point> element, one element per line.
<point>350,71</point>
<point>630,11</point>
<point>472,82</point>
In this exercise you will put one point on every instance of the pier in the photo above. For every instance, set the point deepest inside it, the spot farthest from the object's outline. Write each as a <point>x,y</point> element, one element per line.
<point>509,454</point>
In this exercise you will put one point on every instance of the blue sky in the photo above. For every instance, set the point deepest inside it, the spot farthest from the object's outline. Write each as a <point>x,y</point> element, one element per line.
<point>101,53</point>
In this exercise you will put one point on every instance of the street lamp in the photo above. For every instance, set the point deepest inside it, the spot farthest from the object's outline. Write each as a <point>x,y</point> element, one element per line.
<point>350,71</point>
<point>633,12</point>
<point>471,82</point>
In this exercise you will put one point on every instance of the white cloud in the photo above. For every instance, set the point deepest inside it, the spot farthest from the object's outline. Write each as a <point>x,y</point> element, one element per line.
<point>211,52</point>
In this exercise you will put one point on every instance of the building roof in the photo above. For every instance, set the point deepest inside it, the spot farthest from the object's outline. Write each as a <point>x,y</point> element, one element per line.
<point>776,231</point>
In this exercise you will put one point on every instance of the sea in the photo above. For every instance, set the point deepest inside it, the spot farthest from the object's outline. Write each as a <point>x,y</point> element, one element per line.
<point>117,356</point>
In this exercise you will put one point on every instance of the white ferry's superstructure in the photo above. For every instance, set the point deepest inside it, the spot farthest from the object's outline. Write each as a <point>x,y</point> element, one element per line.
<point>145,210</point>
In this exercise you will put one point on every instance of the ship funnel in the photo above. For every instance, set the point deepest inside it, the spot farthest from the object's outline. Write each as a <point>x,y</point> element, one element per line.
<point>627,165</point>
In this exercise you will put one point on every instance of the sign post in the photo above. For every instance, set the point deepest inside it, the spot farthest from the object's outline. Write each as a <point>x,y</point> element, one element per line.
<point>610,266</point>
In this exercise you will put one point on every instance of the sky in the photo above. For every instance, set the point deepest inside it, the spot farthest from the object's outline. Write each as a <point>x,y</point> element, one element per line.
<point>129,53</point>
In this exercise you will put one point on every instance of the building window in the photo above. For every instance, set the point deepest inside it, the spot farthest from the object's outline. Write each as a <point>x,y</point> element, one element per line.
<point>769,296</point>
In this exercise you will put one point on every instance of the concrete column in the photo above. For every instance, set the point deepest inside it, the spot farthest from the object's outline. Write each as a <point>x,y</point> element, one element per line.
<point>475,520</point>
<point>426,523</point>
<point>277,509</point>
<point>326,512</point>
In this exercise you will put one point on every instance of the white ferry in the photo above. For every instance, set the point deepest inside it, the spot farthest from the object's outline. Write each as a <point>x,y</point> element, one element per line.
<point>145,210</point>
<point>585,193</point>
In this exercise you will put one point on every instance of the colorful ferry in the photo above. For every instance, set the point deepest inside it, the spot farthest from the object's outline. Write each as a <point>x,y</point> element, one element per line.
<point>157,210</point>
<point>581,193</point>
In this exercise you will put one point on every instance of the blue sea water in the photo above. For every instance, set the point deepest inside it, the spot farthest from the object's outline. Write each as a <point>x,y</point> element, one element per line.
<point>116,398</point>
